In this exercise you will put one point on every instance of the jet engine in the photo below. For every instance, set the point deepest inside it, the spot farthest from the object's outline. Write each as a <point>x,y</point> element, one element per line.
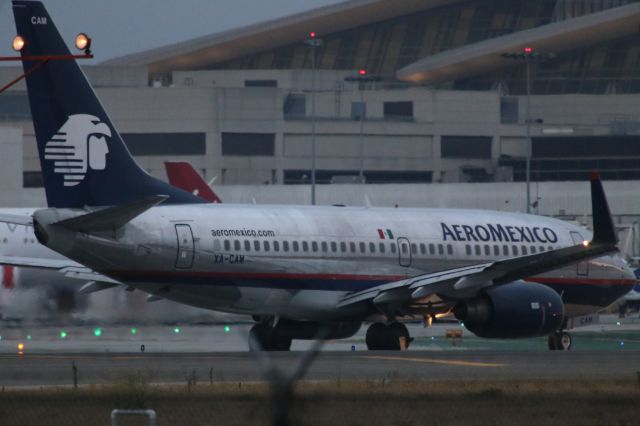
<point>513,310</point>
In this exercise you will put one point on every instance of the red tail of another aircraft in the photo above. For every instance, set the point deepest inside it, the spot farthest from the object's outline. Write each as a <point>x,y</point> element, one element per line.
<point>182,175</point>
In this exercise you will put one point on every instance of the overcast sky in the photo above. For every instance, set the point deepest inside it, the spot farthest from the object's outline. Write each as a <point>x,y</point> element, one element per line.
<point>118,27</point>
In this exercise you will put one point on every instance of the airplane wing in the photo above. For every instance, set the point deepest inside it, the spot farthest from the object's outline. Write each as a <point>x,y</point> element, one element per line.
<point>67,267</point>
<point>467,281</point>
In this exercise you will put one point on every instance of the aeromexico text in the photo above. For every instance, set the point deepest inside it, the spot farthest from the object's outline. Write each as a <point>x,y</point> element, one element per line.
<point>496,233</point>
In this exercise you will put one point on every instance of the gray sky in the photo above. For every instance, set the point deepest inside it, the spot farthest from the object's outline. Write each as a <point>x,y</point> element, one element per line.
<point>118,27</point>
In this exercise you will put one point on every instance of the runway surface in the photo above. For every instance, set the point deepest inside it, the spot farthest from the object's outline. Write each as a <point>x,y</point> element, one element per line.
<point>56,369</point>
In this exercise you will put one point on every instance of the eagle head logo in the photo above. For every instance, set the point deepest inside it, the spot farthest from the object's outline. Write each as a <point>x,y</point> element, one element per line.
<point>79,145</point>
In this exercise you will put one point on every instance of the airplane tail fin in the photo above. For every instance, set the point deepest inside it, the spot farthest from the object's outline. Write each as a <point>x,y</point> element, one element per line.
<point>604,231</point>
<point>83,158</point>
<point>182,175</point>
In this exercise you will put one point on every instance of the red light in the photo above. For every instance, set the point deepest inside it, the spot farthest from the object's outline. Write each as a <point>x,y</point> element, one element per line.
<point>528,50</point>
<point>362,72</point>
<point>312,34</point>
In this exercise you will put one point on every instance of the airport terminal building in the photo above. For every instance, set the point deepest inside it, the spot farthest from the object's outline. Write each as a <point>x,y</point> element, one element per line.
<point>444,98</point>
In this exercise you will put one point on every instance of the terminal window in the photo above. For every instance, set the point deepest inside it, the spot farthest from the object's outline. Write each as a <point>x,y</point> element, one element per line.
<point>398,110</point>
<point>465,146</point>
<point>165,143</point>
<point>248,144</point>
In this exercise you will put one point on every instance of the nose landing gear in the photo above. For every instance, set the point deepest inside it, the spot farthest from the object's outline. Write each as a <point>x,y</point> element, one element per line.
<point>391,337</point>
<point>560,341</point>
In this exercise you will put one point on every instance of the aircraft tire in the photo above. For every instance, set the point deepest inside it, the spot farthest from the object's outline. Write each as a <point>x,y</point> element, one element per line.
<point>375,336</point>
<point>399,331</point>
<point>564,341</point>
<point>560,341</point>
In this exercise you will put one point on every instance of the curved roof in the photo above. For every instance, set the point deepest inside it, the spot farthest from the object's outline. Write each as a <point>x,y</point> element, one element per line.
<point>200,52</point>
<point>558,37</point>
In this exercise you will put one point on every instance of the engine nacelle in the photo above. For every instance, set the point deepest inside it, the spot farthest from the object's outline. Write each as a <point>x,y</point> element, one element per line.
<point>512,311</point>
<point>307,330</point>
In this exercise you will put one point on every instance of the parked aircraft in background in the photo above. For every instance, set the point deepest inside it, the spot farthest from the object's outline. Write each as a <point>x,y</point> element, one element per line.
<point>300,271</point>
<point>182,175</point>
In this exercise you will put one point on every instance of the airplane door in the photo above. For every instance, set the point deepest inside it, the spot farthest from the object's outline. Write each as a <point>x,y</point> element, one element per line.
<point>582,268</point>
<point>186,247</point>
<point>404,252</point>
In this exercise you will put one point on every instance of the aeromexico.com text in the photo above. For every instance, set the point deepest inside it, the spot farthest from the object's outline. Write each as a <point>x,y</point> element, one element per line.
<point>256,233</point>
<point>496,233</point>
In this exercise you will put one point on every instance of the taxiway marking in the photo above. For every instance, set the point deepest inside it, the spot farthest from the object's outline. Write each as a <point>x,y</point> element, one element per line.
<point>437,361</point>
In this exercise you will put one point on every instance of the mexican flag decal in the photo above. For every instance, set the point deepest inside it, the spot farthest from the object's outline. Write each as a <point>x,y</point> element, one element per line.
<point>385,234</point>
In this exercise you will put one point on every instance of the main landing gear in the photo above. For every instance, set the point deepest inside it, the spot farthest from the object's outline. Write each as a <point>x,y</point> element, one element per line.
<point>387,337</point>
<point>560,341</point>
<point>264,337</point>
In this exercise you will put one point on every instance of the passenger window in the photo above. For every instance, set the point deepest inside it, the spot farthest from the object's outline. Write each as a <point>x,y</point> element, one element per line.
<point>216,245</point>
<point>467,249</point>
<point>505,250</point>
<point>372,247</point>
<point>236,245</point>
<point>514,250</point>
<point>440,249</point>
<point>256,245</point>
<point>423,249</point>
<point>393,247</point>
<point>247,245</point>
<point>334,246</point>
<point>496,250</point>
<point>478,250</point>
<point>343,247</point>
<point>405,249</point>
<point>449,249</point>
<point>266,246</point>
<point>276,246</point>
<point>487,250</point>
<point>363,247</point>
<point>352,247</point>
<point>314,246</point>
<point>432,249</point>
<point>296,246</point>
<point>227,245</point>
<point>524,250</point>
<point>550,248</point>
<point>285,246</point>
<point>414,248</point>
<point>381,247</point>
<point>533,249</point>
<point>324,246</point>
<point>305,246</point>
<point>541,248</point>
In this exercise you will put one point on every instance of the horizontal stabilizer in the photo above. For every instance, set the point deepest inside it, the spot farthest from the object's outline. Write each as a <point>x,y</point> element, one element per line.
<point>94,286</point>
<point>16,219</point>
<point>111,218</point>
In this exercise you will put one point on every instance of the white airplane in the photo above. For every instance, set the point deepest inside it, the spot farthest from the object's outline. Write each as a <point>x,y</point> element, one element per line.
<point>301,272</point>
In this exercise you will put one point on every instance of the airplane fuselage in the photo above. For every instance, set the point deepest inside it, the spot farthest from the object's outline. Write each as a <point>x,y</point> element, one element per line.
<point>299,262</point>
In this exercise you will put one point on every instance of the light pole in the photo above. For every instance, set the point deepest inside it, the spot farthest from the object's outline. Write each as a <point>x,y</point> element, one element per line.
<point>313,42</point>
<point>528,56</point>
<point>361,78</point>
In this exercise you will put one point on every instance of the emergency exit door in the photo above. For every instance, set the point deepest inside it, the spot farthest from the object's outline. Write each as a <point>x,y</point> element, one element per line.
<point>186,247</point>
<point>404,252</point>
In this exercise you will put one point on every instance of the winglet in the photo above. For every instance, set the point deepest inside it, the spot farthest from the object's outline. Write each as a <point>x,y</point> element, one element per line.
<point>604,232</point>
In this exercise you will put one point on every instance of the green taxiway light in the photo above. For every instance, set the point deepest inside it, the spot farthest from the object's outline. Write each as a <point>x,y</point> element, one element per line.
<point>134,330</point>
<point>176,330</point>
<point>227,329</point>
<point>63,334</point>
<point>97,332</point>
<point>28,337</point>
